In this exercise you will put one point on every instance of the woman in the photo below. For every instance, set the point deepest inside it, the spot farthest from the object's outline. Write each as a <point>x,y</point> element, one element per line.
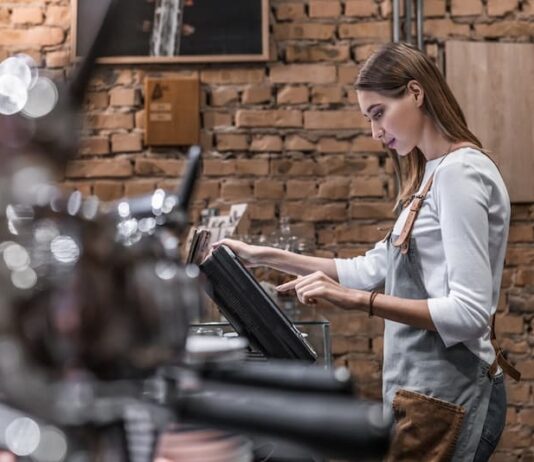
<point>441,266</point>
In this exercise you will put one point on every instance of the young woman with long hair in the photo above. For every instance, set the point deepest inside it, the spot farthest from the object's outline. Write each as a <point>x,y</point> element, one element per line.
<point>441,266</point>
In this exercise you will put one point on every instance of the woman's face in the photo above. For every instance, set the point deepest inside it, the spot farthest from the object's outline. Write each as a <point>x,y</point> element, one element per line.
<point>397,122</point>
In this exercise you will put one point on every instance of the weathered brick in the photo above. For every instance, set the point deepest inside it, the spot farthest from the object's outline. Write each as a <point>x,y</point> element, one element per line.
<point>120,96</point>
<point>58,16</point>
<point>5,15</point>
<point>362,52</point>
<point>358,233</point>
<point>336,120</point>
<point>108,190</point>
<point>509,325</point>
<point>444,28</point>
<point>505,28</point>
<point>57,59</point>
<point>256,167</point>
<point>255,94</point>
<point>322,52</point>
<point>159,167</point>
<point>96,100</point>
<point>292,95</point>
<point>35,36</point>
<point>232,142</point>
<point>27,15</point>
<point>347,74</point>
<point>231,76</point>
<point>303,31</point>
<point>126,142</point>
<point>335,188</point>
<point>466,7</point>
<point>332,145</point>
<point>327,94</point>
<point>266,143</point>
<point>366,144</point>
<point>99,168</point>
<point>526,416</point>
<point>236,190</point>
<point>94,145</point>
<point>371,210</point>
<point>207,189</point>
<point>110,121</point>
<point>367,187</point>
<point>299,189</point>
<point>360,8</point>
<point>294,167</point>
<point>378,30</point>
<point>214,119</point>
<point>315,212</point>
<point>298,143</point>
<point>268,118</point>
<point>221,96</point>
<point>139,187</point>
<point>218,167</point>
<point>140,119</point>
<point>69,187</point>
<point>521,233</point>
<point>324,9</point>
<point>261,211</point>
<point>303,73</point>
<point>268,189</point>
<point>290,11</point>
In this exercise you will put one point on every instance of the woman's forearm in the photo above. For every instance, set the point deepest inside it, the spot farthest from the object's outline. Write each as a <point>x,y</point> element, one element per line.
<point>296,264</point>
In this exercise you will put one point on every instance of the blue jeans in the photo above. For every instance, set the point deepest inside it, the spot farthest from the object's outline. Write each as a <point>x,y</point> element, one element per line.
<point>494,423</point>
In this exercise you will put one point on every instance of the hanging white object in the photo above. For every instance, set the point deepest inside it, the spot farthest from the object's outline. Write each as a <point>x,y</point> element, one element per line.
<point>42,98</point>
<point>13,94</point>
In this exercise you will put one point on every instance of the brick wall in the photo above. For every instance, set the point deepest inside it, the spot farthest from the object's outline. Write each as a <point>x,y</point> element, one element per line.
<point>286,137</point>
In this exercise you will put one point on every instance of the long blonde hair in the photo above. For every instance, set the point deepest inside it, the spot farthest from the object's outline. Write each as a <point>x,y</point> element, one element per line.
<point>387,72</point>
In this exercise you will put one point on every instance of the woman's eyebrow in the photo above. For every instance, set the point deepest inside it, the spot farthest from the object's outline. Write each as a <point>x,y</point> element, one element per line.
<point>371,107</point>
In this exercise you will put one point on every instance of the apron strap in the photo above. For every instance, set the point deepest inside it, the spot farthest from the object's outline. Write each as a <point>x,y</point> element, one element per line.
<point>403,241</point>
<point>500,360</point>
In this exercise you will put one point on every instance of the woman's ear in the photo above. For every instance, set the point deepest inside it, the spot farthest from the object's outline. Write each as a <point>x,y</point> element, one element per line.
<point>416,90</point>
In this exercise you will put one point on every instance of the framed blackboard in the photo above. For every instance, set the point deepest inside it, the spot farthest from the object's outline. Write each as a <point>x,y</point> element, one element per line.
<point>176,31</point>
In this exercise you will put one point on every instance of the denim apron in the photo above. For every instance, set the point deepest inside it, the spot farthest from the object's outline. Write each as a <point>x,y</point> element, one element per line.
<point>439,395</point>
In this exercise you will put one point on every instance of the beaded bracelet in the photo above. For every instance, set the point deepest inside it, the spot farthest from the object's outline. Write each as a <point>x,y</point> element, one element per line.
<point>374,293</point>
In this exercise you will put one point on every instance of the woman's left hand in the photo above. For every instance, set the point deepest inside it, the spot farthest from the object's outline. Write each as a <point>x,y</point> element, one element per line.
<point>318,285</point>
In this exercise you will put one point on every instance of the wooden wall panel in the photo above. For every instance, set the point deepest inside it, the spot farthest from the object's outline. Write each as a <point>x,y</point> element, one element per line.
<point>494,84</point>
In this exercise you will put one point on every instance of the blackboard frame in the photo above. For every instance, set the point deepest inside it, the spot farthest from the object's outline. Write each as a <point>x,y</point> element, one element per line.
<point>263,35</point>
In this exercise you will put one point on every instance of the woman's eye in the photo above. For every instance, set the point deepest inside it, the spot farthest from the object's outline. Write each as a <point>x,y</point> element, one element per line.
<point>377,115</point>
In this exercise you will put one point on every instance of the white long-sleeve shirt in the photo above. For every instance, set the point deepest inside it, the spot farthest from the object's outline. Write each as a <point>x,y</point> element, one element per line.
<point>461,234</point>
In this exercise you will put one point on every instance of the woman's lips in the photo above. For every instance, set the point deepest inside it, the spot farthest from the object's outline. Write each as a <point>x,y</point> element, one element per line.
<point>391,143</point>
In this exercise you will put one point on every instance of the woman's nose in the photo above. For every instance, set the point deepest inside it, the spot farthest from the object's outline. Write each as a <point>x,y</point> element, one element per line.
<point>378,132</point>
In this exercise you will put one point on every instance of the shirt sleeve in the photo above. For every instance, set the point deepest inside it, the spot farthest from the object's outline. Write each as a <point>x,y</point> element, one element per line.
<point>462,202</point>
<point>364,272</point>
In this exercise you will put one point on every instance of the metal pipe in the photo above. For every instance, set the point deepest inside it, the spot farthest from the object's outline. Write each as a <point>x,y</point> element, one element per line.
<point>408,20</point>
<point>396,21</point>
<point>420,24</point>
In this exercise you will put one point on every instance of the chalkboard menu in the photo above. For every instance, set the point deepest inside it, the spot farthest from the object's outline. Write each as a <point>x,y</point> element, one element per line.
<point>176,30</point>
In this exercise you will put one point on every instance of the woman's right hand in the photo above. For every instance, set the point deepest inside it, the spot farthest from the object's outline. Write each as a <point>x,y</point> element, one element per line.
<point>249,254</point>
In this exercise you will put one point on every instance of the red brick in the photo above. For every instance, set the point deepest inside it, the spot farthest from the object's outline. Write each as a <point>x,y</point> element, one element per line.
<point>255,94</point>
<point>236,190</point>
<point>207,190</point>
<point>336,120</point>
<point>358,233</point>
<point>347,74</point>
<point>292,95</point>
<point>268,118</point>
<point>261,211</point>
<point>57,59</point>
<point>266,143</point>
<point>27,16</point>
<point>268,189</point>
<point>5,15</point>
<point>509,28</point>
<point>444,28</point>
<point>58,16</point>
<point>303,73</point>
<point>140,117</point>
<point>466,7</point>
<point>362,52</point>
<point>304,31</point>
<point>222,96</point>
<point>518,393</point>
<point>139,188</point>
<point>108,190</point>
<point>231,76</point>
<point>232,142</point>
<point>256,167</point>
<point>84,188</point>
<point>338,52</point>
<point>336,188</point>
<point>297,143</point>
<point>94,145</point>
<point>159,167</point>
<point>324,9</point>
<point>332,145</point>
<point>96,100</point>
<point>434,8</point>
<point>126,142</point>
<point>300,189</point>
<point>35,36</point>
<point>217,119</point>
<point>509,325</point>
<point>290,11</point>
<point>315,212</point>
<point>366,144</point>
<point>378,30</point>
<point>218,167</point>
<point>294,167</point>
<point>367,187</point>
<point>515,438</point>
<point>521,233</point>
<point>120,96</point>
<point>526,416</point>
<point>110,121</point>
<point>99,168</point>
<point>360,8</point>
<point>326,94</point>
<point>371,210</point>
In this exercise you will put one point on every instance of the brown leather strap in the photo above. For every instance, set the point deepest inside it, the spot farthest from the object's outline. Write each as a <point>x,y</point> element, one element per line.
<point>403,241</point>
<point>500,360</point>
